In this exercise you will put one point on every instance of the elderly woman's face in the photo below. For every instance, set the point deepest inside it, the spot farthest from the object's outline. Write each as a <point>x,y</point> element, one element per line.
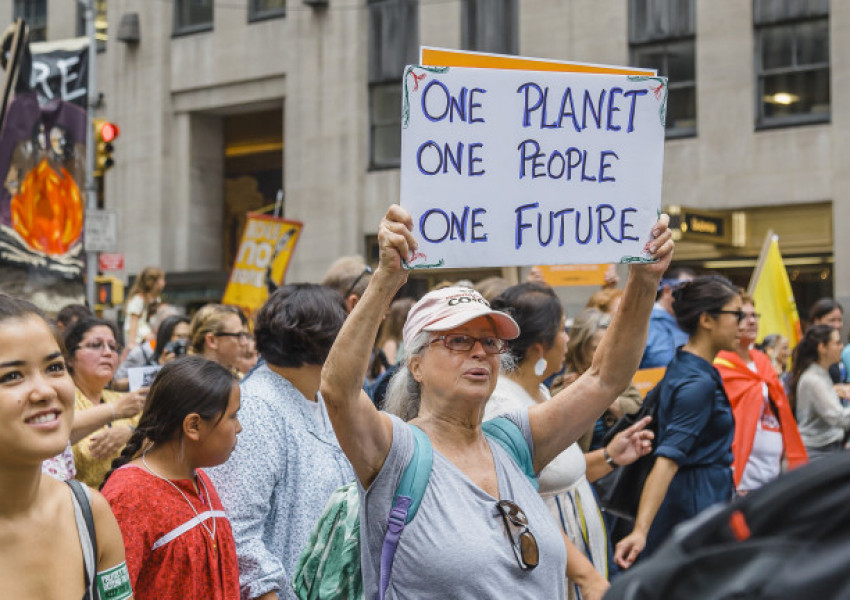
<point>456,375</point>
<point>96,358</point>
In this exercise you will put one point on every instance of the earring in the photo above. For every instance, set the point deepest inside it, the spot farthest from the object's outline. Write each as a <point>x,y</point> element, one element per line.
<point>540,366</point>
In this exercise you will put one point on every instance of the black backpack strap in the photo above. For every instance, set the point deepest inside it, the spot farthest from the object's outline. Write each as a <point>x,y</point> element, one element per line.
<point>83,503</point>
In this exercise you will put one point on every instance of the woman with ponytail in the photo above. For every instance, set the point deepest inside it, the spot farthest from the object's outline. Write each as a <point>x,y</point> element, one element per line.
<point>178,540</point>
<point>821,418</point>
<point>693,455</point>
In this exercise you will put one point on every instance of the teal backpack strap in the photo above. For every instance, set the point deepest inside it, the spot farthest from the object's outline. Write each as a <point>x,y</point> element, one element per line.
<point>509,436</point>
<point>416,475</point>
<point>406,502</point>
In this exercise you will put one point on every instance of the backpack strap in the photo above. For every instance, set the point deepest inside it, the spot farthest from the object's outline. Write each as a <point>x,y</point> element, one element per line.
<point>509,436</point>
<point>406,502</point>
<point>83,514</point>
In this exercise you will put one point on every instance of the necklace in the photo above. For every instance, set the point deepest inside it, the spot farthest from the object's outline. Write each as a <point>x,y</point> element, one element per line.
<point>210,532</point>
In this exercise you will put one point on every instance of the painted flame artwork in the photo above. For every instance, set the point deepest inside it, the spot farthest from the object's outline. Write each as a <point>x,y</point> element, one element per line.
<point>47,212</point>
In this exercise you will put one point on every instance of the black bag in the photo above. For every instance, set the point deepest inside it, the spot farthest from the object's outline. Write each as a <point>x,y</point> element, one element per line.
<point>619,491</point>
<point>790,539</point>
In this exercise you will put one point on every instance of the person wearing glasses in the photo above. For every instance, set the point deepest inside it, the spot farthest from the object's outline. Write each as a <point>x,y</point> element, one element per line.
<point>349,276</point>
<point>693,454</point>
<point>218,334</point>
<point>535,355</point>
<point>765,430</point>
<point>482,530</point>
<point>288,461</point>
<point>103,419</point>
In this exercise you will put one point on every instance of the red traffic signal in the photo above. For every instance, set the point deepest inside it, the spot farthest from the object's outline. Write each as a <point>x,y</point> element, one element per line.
<point>108,131</point>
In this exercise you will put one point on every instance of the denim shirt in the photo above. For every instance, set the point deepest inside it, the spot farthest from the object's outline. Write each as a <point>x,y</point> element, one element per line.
<point>663,338</point>
<point>286,464</point>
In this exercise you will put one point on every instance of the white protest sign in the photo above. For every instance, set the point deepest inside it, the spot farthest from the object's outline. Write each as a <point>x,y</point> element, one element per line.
<point>502,167</point>
<point>140,377</point>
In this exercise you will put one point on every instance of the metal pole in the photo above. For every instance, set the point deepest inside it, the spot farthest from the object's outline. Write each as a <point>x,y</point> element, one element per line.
<point>91,188</point>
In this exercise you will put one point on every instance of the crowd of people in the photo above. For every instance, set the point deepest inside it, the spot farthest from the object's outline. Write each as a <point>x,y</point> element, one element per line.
<point>335,383</point>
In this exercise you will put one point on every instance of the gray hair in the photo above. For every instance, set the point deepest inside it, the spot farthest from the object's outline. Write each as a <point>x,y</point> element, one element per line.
<point>403,391</point>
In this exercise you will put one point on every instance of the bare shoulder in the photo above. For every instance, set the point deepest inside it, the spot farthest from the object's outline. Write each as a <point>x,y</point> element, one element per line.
<point>110,543</point>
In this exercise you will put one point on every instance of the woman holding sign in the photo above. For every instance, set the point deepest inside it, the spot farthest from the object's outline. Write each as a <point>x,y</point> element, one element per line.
<point>481,527</point>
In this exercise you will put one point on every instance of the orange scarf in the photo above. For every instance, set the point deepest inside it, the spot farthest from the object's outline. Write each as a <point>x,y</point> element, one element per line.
<point>744,388</point>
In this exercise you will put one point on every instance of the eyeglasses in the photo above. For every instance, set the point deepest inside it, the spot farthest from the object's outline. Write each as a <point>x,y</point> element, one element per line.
<point>464,343</point>
<point>522,540</point>
<point>739,314</point>
<point>241,334</point>
<point>99,345</point>
<point>367,270</point>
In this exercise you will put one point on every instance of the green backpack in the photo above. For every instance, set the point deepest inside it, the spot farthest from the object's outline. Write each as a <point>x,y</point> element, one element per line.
<point>329,566</point>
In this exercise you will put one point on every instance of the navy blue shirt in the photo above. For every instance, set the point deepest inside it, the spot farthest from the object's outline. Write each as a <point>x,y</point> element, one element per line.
<point>695,430</point>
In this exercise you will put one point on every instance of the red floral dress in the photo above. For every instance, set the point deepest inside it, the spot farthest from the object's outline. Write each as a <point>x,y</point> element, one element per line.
<point>170,552</point>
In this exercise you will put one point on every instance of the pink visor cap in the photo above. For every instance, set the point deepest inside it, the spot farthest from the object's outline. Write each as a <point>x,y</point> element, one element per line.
<point>445,309</point>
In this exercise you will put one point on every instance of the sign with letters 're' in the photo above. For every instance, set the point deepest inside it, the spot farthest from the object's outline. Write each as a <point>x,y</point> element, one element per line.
<point>502,168</point>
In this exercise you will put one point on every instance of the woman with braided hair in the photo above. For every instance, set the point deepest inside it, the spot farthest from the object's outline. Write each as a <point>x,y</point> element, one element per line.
<point>178,540</point>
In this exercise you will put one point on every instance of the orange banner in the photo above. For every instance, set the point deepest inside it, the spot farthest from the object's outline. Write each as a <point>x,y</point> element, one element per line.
<point>646,379</point>
<point>568,275</point>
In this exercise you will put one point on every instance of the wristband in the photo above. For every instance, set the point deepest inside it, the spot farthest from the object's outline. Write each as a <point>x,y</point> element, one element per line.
<point>608,458</point>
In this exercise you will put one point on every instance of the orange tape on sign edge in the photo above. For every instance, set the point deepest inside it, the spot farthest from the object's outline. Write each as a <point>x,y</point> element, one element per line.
<point>452,58</point>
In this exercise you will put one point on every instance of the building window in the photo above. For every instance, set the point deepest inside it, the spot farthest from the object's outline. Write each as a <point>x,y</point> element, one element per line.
<point>489,26</point>
<point>662,36</point>
<point>266,9</point>
<point>100,31</point>
<point>34,12</point>
<point>792,62</point>
<point>393,43</point>
<point>191,16</point>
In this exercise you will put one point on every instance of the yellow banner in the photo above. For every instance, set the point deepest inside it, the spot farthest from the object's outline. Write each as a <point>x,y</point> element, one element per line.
<point>264,252</point>
<point>444,57</point>
<point>567,275</point>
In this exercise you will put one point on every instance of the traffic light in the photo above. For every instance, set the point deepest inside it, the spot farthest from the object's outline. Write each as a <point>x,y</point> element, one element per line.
<point>104,134</point>
<point>109,292</point>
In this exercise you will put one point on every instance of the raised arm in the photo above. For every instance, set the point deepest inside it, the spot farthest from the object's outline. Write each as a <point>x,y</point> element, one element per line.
<point>559,422</point>
<point>365,434</point>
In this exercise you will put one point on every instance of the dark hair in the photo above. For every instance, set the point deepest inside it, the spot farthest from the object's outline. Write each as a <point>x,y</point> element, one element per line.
<point>72,313</point>
<point>298,325</point>
<point>164,333</point>
<point>538,312</point>
<point>823,307</point>
<point>805,354</point>
<point>191,384</point>
<point>15,308</point>
<point>705,294</point>
<point>672,275</point>
<point>72,336</point>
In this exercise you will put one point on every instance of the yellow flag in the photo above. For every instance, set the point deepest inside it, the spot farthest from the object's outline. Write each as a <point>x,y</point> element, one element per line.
<point>771,290</point>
